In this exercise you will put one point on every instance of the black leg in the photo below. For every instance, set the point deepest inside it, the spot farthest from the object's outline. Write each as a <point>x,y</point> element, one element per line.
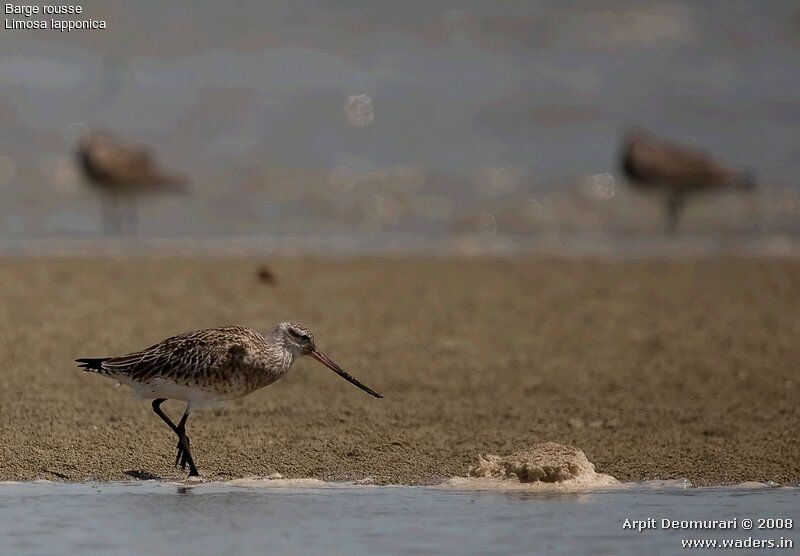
<point>183,455</point>
<point>183,442</point>
<point>112,222</point>
<point>675,203</point>
<point>131,213</point>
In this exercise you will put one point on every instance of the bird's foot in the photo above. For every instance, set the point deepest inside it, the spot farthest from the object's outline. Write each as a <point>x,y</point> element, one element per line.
<point>184,455</point>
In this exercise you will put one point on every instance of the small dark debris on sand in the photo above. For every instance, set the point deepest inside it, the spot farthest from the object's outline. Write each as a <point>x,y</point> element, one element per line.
<point>265,275</point>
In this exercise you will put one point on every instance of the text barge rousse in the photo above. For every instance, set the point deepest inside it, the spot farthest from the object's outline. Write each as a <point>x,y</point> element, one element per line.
<point>62,25</point>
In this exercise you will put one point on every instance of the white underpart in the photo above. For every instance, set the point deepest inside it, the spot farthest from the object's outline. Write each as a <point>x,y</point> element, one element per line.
<point>160,387</point>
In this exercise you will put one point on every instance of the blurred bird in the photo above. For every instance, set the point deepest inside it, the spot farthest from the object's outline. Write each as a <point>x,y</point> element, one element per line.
<point>677,170</point>
<point>210,366</point>
<point>121,172</point>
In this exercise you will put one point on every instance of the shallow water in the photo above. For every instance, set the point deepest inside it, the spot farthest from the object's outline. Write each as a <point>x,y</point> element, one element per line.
<point>525,148</point>
<point>218,518</point>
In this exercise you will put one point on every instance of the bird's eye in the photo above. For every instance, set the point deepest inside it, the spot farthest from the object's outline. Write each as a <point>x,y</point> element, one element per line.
<point>299,335</point>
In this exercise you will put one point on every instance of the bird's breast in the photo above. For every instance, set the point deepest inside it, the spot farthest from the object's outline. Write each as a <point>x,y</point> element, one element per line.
<point>254,372</point>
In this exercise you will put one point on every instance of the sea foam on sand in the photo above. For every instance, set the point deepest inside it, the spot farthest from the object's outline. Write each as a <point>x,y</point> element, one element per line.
<point>544,466</point>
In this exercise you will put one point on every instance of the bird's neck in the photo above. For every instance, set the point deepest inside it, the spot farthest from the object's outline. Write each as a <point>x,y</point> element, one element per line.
<point>288,358</point>
<point>281,352</point>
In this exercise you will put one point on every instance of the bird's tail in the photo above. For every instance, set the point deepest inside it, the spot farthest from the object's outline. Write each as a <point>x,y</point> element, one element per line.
<point>174,182</point>
<point>92,364</point>
<point>748,181</point>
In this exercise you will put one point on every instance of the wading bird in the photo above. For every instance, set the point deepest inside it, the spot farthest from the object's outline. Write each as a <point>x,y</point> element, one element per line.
<point>677,171</point>
<point>210,366</point>
<point>121,172</point>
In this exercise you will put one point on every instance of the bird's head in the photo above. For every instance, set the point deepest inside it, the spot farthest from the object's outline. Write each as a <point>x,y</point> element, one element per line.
<point>296,338</point>
<point>299,340</point>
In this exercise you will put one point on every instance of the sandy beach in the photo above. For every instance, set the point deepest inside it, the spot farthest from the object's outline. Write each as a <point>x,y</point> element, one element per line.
<point>655,369</point>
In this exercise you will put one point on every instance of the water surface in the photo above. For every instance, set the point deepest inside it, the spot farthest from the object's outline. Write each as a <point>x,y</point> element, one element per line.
<point>169,518</point>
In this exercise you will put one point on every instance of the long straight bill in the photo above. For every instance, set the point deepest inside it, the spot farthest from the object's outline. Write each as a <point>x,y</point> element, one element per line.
<point>325,360</point>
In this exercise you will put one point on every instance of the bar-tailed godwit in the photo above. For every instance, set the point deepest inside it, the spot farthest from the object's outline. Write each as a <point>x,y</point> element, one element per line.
<point>120,172</point>
<point>677,170</point>
<point>209,366</point>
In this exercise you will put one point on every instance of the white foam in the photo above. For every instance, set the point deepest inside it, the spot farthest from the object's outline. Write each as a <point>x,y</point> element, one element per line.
<point>280,483</point>
<point>579,484</point>
<point>548,465</point>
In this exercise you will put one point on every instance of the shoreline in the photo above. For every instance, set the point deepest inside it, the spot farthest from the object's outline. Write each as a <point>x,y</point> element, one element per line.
<point>656,369</point>
<point>453,484</point>
<point>391,245</point>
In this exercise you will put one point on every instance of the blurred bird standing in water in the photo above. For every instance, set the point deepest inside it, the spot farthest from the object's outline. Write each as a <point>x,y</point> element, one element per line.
<point>210,366</point>
<point>121,172</point>
<point>678,171</point>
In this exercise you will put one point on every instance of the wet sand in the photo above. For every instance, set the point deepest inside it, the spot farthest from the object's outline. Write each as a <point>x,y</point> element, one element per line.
<point>655,369</point>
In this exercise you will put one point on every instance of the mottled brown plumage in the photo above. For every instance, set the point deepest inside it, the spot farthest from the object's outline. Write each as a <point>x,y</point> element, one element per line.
<point>677,170</point>
<point>216,363</point>
<point>212,365</point>
<point>120,171</point>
